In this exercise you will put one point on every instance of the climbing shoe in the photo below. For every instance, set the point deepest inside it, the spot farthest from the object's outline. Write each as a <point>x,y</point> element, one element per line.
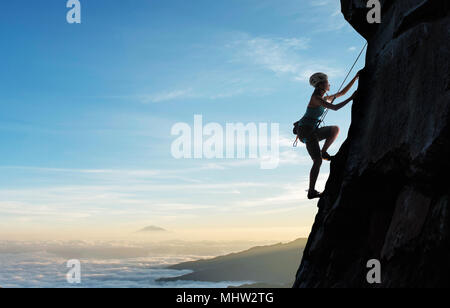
<point>313,194</point>
<point>326,156</point>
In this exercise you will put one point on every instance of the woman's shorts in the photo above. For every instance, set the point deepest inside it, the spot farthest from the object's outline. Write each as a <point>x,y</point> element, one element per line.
<point>312,136</point>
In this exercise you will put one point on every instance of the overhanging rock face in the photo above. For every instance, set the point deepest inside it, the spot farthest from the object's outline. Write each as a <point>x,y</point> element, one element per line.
<point>387,196</point>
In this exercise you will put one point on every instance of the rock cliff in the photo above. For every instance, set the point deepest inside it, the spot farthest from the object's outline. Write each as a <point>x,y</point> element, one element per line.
<point>387,196</point>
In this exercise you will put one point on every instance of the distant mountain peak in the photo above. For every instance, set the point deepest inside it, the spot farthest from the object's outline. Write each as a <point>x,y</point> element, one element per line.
<point>152,229</point>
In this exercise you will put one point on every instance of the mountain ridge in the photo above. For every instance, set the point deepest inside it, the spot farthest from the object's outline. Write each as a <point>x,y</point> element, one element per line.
<point>266,265</point>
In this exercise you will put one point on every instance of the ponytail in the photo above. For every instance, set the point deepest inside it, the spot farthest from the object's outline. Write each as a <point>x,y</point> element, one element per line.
<point>318,91</point>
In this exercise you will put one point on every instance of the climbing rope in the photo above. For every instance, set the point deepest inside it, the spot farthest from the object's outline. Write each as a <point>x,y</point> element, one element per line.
<point>322,119</point>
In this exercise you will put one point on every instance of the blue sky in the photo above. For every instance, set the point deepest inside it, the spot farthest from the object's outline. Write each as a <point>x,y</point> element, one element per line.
<point>88,110</point>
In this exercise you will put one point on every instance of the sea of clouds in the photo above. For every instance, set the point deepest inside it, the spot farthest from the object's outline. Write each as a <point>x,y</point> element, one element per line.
<point>103,265</point>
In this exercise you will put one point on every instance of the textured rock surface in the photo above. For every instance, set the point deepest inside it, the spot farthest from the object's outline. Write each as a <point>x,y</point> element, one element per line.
<point>387,196</point>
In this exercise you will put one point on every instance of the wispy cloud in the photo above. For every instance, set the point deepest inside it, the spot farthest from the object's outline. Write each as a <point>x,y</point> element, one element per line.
<point>321,2</point>
<point>282,56</point>
<point>229,91</point>
<point>291,193</point>
<point>324,16</point>
<point>128,194</point>
<point>274,54</point>
<point>167,96</point>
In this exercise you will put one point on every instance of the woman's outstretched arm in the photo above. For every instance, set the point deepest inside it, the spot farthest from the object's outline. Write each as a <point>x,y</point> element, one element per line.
<point>344,91</point>
<point>336,107</point>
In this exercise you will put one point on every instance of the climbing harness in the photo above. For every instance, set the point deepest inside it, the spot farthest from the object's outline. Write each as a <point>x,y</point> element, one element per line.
<point>322,119</point>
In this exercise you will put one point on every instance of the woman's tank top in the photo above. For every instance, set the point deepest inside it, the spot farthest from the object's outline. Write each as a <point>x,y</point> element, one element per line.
<point>312,116</point>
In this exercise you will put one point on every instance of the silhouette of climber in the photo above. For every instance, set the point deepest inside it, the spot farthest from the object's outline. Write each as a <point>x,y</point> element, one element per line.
<point>308,127</point>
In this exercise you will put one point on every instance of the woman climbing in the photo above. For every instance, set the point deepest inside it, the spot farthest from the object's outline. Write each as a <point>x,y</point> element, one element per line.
<point>308,127</point>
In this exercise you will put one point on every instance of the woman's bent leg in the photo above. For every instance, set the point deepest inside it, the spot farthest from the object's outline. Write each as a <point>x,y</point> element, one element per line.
<point>332,133</point>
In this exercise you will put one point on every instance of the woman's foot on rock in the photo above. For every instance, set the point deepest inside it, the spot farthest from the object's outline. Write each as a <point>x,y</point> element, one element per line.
<point>313,194</point>
<point>326,156</point>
